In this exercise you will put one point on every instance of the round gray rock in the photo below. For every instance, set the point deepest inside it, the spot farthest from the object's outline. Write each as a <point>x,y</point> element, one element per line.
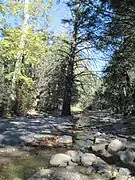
<point>88,159</point>
<point>115,146</point>
<point>124,171</point>
<point>60,159</point>
<point>127,157</point>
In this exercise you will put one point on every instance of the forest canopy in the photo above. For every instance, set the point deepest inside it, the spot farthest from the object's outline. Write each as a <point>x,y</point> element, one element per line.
<point>49,72</point>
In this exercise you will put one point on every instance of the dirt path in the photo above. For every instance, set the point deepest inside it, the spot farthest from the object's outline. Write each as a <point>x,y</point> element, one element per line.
<point>94,128</point>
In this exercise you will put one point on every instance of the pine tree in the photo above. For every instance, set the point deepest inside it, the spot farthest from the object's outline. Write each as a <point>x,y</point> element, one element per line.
<point>119,74</point>
<point>84,23</point>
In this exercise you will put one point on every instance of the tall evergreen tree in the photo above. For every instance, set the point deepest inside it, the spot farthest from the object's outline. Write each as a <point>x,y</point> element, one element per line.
<point>84,23</point>
<point>119,74</point>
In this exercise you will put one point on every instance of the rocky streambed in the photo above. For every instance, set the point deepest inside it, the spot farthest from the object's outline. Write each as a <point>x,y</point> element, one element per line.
<point>98,146</point>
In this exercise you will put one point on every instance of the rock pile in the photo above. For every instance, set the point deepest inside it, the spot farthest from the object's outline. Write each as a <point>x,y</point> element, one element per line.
<point>101,151</point>
<point>92,165</point>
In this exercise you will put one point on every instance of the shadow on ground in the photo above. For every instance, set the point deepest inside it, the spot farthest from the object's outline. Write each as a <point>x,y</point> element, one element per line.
<point>23,129</point>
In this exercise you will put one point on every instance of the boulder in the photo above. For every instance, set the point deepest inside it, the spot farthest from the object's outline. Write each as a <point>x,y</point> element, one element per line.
<point>121,177</point>
<point>115,146</point>
<point>60,160</point>
<point>88,159</point>
<point>124,171</point>
<point>127,157</point>
<point>99,147</point>
<point>65,140</point>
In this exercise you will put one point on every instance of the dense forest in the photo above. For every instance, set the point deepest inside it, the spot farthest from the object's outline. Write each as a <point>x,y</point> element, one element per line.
<point>67,89</point>
<point>45,72</point>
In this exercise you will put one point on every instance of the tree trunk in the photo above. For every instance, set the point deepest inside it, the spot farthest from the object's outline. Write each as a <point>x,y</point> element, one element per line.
<point>18,64</point>
<point>66,108</point>
<point>67,98</point>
